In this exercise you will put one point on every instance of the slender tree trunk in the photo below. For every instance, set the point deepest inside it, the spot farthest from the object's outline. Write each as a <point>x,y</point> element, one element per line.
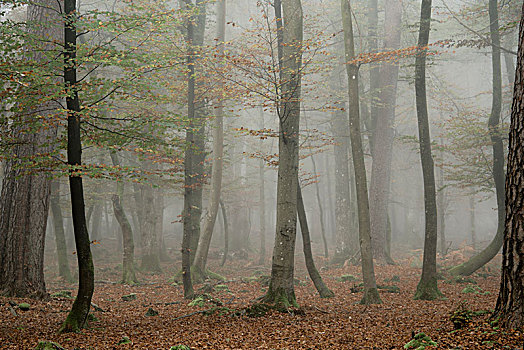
<point>374,74</point>
<point>322,289</point>
<point>329,202</point>
<point>199,265</point>
<point>226,233</point>
<point>320,209</point>
<point>339,127</point>
<point>508,60</point>
<point>509,310</point>
<point>427,288</point>
<point>150,257</point>
<point>493,248</point>
<point>128,261</point>
<point>60,241</point>
<point>262,197</point>
<point>24,202</point>
<point>370,287</point>
<point>472,221</point>
<point>441,212</point>
<point>194,153</point>
<point>281,289</point>
<point>77,317</point>
<point>384,135</point>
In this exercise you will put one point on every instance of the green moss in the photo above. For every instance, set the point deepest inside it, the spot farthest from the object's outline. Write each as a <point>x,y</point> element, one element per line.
<point>48,345</point>
<point>280,299</point>
<point>151,312</point>
<point>222,287</point>
<point>461,316</point>
<point>62,294</point>
<point>475,290</point>
<point>125,340</point>
<point>180,347</point>
<point>419,342</point>
<point>24,306</point>
<point>428,290</point>
<point>215,276</point>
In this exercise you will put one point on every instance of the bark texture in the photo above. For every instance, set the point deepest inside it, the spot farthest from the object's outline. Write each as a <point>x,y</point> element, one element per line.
<point>509,310</point>
<point>370,286</point>
<point>24,202</point>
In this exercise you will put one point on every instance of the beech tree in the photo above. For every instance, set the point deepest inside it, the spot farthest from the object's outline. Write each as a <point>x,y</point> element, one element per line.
<point>368,273</point>
<point>427,288</point>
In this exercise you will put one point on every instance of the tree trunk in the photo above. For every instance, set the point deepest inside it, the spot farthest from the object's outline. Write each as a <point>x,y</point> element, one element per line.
<point>77,317</point>
<point>322,289</point>
<point>226,233</point>
<point>384,136</point>
<point>374,74</point>
<point>281,289</point>
<point>370,287</point>
<point>427,288</point>
<point>128,261</point>
<point>60,241</point>
<point>262,197</point>
<point>199,265</point>
<point>150,259</point>
<point>441,213</point>
<point>493,248</point>
<point>320,209</point>
<point>509,310</point>
<point>194,152</point>
<point>339,127</point>
<point>24,201</point>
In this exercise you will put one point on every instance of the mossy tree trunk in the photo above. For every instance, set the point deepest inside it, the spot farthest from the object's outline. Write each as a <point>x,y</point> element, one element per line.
<point>77,317</point>
<point>370,287</point>
<point>427,288</point>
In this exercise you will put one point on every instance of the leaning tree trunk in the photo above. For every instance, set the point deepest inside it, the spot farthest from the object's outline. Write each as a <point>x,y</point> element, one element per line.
<point>384,136</point>
<point>199,265</point>
<point>427,288</point>
<point>370,286</point>
<point>24,202</point>
<point>77,317</point>
<point>58,222</point>
<point>281,290</point>
<point>322,289</point>
<point>128,261</point>
<point>493,248</point>
<point>509,310</point>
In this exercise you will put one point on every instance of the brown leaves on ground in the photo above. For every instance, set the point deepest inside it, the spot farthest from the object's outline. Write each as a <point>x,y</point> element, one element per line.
<point>218,322</point>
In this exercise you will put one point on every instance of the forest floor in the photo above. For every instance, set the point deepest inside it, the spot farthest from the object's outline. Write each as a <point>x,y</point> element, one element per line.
<point>334,323</point>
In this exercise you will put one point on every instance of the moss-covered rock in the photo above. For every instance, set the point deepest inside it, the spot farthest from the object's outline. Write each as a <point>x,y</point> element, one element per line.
<point>180,347</point>
<point>24,306</point>
<point>419,342</point>
<point>124,340</point>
